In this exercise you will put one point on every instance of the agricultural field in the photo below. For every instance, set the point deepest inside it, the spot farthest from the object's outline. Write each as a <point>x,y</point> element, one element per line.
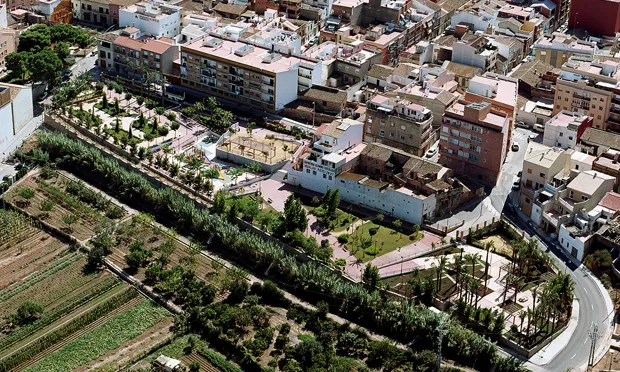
<point>160,246</point>
<point>65,204</point>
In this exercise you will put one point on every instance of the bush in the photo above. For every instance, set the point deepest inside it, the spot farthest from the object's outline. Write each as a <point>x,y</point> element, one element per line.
<point>163,130</point>
<point>343,238</point>
<point>341,262</point>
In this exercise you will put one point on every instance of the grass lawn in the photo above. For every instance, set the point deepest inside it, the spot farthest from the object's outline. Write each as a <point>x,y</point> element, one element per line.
<point>362,245</point>
<point>148,128</point>
<point>110,109</point>
<point>343,220</point>
<point>123,134</point>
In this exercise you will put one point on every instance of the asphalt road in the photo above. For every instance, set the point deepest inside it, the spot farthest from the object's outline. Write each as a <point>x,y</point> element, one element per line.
<point>592,308</point>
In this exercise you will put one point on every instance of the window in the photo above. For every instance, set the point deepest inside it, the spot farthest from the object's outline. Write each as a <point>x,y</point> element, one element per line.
<point>561,134</point>
<point>542,175</point>
<point>527,200</point>
<point>402,138</point>
<point>402,127</point>
<point>382,133</point>
<point>598,117</point>
<point>529,170</point>
<point>330,178</point>
<point>308,171</point>
<point>577,166</point>
<point>324,175</point>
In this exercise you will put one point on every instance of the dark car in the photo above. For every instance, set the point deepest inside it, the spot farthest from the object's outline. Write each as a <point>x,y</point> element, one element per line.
<point>43,96</point>
<point>66,74</point>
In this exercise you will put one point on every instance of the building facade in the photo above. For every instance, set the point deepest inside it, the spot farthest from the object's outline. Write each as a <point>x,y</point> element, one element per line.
<point>473,140</point>
<point>565,129</point>
<point>558,48</point>
<point>154,19</point>
<point>16,110</point>
<point>597,17</point>
<point>398,123</point>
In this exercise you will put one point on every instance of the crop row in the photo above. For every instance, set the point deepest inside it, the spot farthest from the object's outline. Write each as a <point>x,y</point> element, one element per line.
<point>218,360</point>
<point>107,336</point>
<point>15,227</point>
<point>38,276</point>
<point>64,198</point>
<point>57,312</point>
<point>31,350</point>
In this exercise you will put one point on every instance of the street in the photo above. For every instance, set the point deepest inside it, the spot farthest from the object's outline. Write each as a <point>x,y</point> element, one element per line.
<point>479,211</point>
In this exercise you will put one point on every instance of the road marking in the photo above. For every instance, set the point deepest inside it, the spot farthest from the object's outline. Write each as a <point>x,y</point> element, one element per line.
<point>586,340</point>
<point>574,355</point>
<point>586,290</point>
<point>592,306</point>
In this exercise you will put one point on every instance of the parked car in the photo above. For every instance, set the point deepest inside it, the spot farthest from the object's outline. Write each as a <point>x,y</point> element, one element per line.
<point>66,74</point>
<point>520,174</point>
<point>516,183</point>
<point>521,124</point>
<point>430,153</point>
<point>515,147</point>
<point>539,128</point>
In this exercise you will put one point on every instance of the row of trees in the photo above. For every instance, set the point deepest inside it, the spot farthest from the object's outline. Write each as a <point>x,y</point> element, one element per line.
<point>400,320</point>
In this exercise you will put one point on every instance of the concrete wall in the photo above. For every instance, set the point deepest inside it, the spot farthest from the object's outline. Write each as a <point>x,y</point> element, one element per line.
<point>6,127</point>
<point>22,108</point>
<point>285,88</point>
<point>242,160</point>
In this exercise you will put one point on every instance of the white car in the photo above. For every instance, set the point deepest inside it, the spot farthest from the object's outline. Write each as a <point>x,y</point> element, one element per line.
<point>430,153</point>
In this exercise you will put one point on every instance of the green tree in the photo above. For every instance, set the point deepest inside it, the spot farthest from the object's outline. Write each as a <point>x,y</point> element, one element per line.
<point>45,66</point>
<point>69,219</point>
<point>379,218</point>
<point>599,262</point>
<point>62,50</point>
<point>27,312</point>
<point>34,39</point>
<point>294,216</point>
<point>175,126</point>
<point>219,202</point>
<point>18,63</point>
<point>371,276</point>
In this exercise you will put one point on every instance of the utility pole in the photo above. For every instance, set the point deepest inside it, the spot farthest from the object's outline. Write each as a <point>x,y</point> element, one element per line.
<point>442,331</point>
<point>594,336</point>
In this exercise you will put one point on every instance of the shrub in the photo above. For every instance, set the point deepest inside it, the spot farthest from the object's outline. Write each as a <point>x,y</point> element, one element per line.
<point>163,130</point>
<point>26,193</point>
<point>47,205</point>
<point>343,238</point>
<point>341,262</point>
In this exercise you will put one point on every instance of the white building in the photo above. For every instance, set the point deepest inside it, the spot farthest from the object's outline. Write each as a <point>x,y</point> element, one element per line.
<point>46,7</point>
<point>155,19</point>
<point>564,129</point>
<point>484,57</point>
<point>16,111</point>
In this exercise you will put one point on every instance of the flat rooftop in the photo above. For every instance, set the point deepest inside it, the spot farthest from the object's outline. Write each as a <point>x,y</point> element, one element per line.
<point>254,57</point>
<point>492,119</point>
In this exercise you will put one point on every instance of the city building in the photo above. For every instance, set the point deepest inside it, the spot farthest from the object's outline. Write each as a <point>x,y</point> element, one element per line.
<point>318,104</point>
<point>557,48</point>
<point>115,8</point>
<point>462,73</point>
<point>597,17</point>
<point>240,72</point>
<point>16,110</point>
<point>474,140</point>
<point>126,56</point>
<point>597,142</point>
<point>92,11</point>
<point>536,80</point>
<point>477,52</point>
<point>590,87</point>
<point>157,19</point>
<point>565,129</point>
<point>398,123</point>
<point>8,43</point>
<point>378,177</point>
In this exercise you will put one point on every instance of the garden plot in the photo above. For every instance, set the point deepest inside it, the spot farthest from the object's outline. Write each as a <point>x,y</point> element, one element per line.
<point>65,204</point>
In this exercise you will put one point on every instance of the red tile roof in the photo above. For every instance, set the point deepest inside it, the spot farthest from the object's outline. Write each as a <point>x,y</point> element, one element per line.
<point>611,201</point>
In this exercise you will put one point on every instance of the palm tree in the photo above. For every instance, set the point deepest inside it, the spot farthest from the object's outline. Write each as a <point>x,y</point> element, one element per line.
<point>473,259</point>
<point>441,269</point>
<point>488,247</point>
<point>473,287</point>
<point>522,316</point>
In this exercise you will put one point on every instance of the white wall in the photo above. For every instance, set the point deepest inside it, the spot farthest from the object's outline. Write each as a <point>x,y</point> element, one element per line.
<point>536,214</point>
<point>285,88</point>
<point>169,26</point>
<point>559,136</point>
<point>22,108</point>
<point>3,18</point>
<point>6,127</point>
<point>568,244</point>
<point>464,54</point>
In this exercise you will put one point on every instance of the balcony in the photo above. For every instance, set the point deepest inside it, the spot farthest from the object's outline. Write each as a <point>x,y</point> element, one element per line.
<point>268,82</point>
<point>208,73</point>
<point>567,204</point>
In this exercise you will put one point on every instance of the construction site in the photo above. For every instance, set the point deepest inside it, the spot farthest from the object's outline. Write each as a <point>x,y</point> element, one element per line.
<point>270,152</point>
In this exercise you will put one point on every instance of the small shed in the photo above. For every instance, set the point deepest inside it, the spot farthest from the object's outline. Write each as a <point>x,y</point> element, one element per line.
<point>167,364</point>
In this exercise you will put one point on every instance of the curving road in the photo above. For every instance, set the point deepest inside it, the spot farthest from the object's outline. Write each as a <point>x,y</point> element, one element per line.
<point>594,303</point>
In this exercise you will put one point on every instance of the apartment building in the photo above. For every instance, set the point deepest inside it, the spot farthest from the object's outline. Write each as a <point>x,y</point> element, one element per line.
<point>92,11</point>
<point>156,19</point>
<point>398,123</point>
<point>8,43</point>
<point>557,48</point>
<point>243,73</point>
<point>388,44</point>
<point>565,129</point>
<point>498,90</point>
<point>126,56</point>
<point>477,52</point>
<point>590,87</point>
<point>474,139</point>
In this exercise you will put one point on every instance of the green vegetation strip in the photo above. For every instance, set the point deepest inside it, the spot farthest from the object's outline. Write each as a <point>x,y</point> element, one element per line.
<point>38,276</point>
<point>56,313</point>
<point>28,352</point>
<point>68,200</point>
<point>102,339</point>
<point>13,224</point>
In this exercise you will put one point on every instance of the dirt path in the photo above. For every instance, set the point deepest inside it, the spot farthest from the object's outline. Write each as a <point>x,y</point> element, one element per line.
<point>131,348</point>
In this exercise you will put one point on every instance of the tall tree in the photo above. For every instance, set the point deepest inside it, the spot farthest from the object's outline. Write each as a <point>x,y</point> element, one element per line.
<point>371,276</point>
<point>219,201</point>
<point>294,216</point>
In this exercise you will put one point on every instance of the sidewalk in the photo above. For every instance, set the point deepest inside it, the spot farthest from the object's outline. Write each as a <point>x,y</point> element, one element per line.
<point>546,354</point>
